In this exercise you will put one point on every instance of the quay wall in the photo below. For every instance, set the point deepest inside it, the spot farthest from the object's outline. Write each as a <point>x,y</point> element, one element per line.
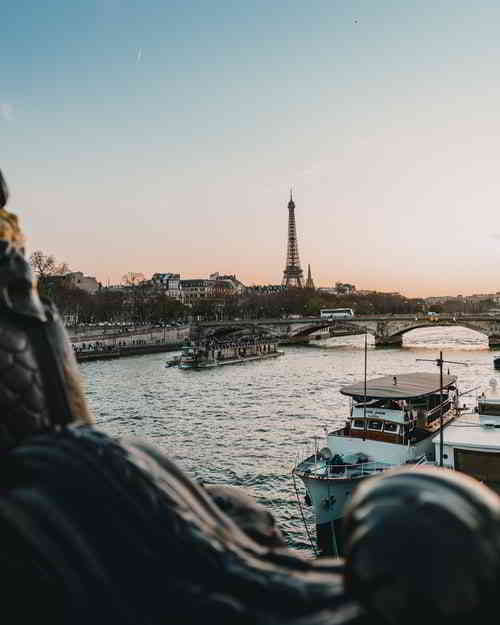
<point>104,347</point>
<point>135,350</point>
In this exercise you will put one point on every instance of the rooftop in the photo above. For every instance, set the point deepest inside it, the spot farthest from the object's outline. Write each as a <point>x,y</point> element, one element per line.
<point>400,386</point>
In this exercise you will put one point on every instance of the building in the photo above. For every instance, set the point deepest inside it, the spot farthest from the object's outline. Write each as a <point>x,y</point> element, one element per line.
<point>77,280</point>
<point>309,281</point>
<point>229,283</point>
<point>341,288</point>
<point>265,289</point>
<point>439,299</point>
<point>170,283</point>
<point>197,288</point>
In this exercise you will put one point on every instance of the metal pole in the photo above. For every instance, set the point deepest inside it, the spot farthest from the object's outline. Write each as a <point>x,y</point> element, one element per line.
<point>364,402</point>
<point>441,409</point>
<point>439,361</point>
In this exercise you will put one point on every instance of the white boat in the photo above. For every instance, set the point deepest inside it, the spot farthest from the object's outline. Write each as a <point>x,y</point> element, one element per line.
<point>471,444</point>
<point>392,422</point>
<point>173,362</point>
<point>230,352</point>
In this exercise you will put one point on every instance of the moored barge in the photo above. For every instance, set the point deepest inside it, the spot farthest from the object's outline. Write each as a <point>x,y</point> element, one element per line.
<point>392,422</point>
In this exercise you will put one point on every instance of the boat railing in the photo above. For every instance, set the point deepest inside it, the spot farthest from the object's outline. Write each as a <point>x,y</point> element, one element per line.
<point>444,406</point>
<point>416,462</point>
<point>322,469</point>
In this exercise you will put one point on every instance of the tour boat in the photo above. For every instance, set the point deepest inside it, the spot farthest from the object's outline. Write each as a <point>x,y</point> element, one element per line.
<point>392,422</point>
<point>214,353</point>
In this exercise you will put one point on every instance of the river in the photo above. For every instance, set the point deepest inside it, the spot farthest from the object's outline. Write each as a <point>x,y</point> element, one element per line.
<point>245,424</point>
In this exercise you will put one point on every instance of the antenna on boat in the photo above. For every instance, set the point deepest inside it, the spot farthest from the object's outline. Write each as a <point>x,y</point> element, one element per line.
<point>439,362</point>
<point>364,402</point>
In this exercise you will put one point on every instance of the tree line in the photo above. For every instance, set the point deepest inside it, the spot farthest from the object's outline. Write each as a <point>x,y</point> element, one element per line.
<point>139,302</point>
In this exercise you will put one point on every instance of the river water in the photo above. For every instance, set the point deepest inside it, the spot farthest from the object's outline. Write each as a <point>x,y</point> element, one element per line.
<point>245,424</point>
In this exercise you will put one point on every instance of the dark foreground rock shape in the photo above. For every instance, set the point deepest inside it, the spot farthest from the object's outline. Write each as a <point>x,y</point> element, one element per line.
<point>96,531</point>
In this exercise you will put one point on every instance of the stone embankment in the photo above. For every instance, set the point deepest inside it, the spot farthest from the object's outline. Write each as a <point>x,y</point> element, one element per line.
<point>99,345</point>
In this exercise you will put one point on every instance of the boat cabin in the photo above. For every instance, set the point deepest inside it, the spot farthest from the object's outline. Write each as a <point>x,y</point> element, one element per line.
<point>398,409</point>
<point>472,445</point>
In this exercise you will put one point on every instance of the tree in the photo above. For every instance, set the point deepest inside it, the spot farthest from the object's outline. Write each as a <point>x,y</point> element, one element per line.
<point>137,295</point>
<point>45,265</point>
<point>46,268</point>
<point>133,278</point>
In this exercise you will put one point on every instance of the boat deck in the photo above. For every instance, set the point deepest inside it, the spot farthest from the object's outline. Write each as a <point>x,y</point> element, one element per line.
<point>319,468</point>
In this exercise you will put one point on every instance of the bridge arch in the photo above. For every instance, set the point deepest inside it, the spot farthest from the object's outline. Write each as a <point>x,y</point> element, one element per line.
<point>221,331</point>
<point>395,337</point>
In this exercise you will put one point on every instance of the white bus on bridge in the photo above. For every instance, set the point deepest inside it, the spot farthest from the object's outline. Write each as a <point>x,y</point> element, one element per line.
<point>336,313</point>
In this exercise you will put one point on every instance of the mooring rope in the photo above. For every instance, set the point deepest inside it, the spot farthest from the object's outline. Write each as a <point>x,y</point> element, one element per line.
<point>302,514</point>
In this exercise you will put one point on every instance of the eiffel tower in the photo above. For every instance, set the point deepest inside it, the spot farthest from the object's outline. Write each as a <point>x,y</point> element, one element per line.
<point>292,276</point>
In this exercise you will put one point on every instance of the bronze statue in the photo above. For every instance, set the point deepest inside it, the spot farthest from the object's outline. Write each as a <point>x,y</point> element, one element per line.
<point>95,530</point>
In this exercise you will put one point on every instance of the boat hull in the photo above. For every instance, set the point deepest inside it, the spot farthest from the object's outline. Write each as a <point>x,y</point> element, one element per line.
<point>329,498</point>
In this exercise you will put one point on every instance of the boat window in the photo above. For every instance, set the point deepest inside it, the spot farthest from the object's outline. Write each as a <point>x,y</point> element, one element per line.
<point>374,425</point>
<point>391,427</point>
<point>489,408</point>
<point>358,424</point>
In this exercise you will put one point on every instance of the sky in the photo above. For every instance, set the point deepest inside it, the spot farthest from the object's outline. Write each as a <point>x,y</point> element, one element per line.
<point>160,136</point>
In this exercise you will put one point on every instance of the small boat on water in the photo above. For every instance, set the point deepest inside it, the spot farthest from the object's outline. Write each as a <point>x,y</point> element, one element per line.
<point>392,421</point>
<point>173,362</point>
<point>214,353</point>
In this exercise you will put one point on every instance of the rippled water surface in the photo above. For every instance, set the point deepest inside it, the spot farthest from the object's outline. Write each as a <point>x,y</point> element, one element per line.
<point>245,424</point>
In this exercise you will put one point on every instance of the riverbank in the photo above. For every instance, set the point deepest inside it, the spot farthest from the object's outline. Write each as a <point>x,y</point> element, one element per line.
<point>134,350</point>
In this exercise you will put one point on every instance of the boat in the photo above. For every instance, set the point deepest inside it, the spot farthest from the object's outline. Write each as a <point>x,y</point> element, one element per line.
<point>173,362</point>
<point>392,422</point>
<point>471,444</point>
<point>216,353</point>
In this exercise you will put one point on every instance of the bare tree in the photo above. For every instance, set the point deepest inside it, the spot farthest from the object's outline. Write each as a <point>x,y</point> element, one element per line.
<point>45,265</point>
<point>133,278</point>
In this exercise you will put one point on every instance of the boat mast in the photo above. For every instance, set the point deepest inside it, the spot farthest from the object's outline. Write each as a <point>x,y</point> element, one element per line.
<point>364,402</point>
<point>440,365</point>
<point>439,362</point>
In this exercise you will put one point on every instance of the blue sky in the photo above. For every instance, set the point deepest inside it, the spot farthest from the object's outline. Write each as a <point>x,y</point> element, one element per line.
<point>164,136</point>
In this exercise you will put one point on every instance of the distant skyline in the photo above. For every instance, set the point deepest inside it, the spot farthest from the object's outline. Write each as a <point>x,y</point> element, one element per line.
<point>165,136</point>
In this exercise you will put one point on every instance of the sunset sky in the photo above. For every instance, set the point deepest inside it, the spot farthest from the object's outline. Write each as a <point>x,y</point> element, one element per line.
<point>165,136</point>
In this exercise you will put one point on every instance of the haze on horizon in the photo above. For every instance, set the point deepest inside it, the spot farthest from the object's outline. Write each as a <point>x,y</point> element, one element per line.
<point>161,136</point>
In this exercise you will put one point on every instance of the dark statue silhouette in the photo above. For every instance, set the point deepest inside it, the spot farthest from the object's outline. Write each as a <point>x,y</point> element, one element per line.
<point>95,530</point>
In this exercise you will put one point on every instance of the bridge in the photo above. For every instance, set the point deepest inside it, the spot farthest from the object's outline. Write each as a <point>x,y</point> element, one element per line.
<point>388,330</point>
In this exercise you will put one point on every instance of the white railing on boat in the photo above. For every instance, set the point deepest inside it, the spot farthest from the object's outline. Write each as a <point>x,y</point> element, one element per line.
<point>342,471</point>
<point>321,469</point>
<point>444,406</point>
